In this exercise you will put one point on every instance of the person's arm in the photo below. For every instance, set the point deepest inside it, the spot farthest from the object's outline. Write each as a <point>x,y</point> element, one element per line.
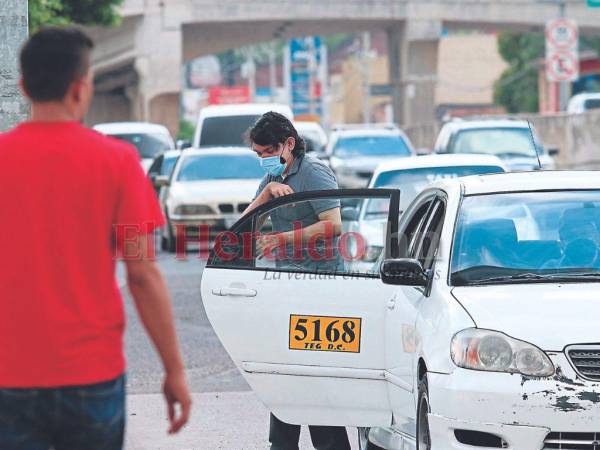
<point>271,190</point>
<point>329,225</point>
<point>153,305</point>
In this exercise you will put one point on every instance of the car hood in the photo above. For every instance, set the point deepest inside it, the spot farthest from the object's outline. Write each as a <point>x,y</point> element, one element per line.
<point>215,190</point>
<point>550,316</point>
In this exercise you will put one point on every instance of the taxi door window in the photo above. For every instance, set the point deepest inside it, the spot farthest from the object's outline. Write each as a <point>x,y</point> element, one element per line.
<point>311,234</point>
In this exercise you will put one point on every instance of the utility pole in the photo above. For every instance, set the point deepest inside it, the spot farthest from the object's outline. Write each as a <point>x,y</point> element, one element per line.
<point>250,73</point>
<point>272,72</point>
<point>563,86</point>
<point>366,76</point>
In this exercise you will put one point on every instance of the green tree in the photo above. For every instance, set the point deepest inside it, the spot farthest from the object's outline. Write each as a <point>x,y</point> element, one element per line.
<point>63,12</point>
<point>517,88</point>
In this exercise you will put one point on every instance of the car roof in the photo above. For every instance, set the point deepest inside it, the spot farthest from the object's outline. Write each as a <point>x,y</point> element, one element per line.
<point>302,125</point>
<point>488,123</point>
<point>539,180</point>
<point>130,127</point>
<point>368,132</point>
<point>439,160</point>
<point>241,109</point>
<point>225,151</point>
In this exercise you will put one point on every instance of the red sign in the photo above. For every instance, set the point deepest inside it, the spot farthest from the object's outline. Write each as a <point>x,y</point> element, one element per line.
<point>562,66</point>
<point>222,95</point>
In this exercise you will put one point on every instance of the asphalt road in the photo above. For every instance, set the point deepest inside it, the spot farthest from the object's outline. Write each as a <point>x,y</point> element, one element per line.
<point>226,413</point>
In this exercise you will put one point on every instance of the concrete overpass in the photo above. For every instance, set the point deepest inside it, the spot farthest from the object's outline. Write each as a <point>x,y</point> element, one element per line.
<point>138,64</point>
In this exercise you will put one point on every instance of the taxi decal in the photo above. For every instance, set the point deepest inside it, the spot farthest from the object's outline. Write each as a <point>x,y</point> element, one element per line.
<point>325,333</point>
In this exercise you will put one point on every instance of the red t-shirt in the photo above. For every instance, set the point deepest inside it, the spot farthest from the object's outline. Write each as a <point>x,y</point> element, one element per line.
<point>63,189</point>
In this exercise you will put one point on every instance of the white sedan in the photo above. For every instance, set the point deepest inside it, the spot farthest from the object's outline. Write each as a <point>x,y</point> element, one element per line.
<point>210,187</point>
<point>473,335</point>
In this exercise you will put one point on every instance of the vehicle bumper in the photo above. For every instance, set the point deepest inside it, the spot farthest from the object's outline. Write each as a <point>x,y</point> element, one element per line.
<point>520,410</point>
<point>192,227</point>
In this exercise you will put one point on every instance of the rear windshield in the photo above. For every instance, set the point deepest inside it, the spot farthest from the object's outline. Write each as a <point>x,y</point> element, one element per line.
<point>148,145</point>
<point>226,131</point>
<point>592,103</point>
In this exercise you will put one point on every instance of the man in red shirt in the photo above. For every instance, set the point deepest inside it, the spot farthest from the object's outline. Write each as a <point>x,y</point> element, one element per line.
<point>71,201</point>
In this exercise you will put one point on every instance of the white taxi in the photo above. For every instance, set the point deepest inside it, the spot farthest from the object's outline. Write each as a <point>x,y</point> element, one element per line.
<point>476,333</point>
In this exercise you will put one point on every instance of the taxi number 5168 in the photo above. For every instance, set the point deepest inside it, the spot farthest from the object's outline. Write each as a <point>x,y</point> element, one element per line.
<point>325,333</point>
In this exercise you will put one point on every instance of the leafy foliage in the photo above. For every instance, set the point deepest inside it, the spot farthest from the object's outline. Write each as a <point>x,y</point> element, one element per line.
<point>63,12</point>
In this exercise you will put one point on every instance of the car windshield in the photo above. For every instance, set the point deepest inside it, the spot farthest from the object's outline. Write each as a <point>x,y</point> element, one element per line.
<point>412,181</point>
<point>148,145</point>
<point>220,167</point>
<point>494,141</point>
<point>226,131</point>
<point>517,237</point>
<point>168,164</point>
<point>371,146</point>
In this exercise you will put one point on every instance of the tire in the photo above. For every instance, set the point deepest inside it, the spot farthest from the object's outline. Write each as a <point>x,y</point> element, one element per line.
<point>423,408</point>
<point>363,440</point>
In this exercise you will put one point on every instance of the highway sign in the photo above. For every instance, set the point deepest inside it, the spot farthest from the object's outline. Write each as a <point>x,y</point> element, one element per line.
<point>562,50</point>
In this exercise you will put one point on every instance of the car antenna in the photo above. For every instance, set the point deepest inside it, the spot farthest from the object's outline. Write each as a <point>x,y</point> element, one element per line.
<point>534,146</point>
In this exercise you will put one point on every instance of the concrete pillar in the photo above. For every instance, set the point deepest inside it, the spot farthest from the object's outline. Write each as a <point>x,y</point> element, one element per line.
<point>13,33</point>
<point>164,109</point>
<point>394,48</point>
<point>420,66</point>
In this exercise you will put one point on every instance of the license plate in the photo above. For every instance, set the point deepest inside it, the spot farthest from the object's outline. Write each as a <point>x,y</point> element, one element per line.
<point>325,333</point>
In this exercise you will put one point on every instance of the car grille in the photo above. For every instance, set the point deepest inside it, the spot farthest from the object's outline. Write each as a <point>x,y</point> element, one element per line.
<point>572,441</point>
<point>364,174</point>
<point>586,361</point>
<point>242,207</point>
<point>226,208</point>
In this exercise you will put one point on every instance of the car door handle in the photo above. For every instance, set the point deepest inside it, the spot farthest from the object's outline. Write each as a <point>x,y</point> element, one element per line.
<point>234,292</point>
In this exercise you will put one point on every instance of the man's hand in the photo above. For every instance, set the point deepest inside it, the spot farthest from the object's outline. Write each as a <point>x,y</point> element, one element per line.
<point>176,392</point>
<point>274,189</point>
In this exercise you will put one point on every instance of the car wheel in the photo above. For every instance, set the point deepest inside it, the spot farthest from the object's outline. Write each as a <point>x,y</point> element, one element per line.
<point>423,409</point>
<point>363,440</point>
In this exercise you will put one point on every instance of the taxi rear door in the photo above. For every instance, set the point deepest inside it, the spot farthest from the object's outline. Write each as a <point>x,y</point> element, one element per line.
<point>308,335</point>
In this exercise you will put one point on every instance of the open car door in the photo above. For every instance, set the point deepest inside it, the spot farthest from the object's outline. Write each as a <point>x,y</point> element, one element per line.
<point>303,317</point>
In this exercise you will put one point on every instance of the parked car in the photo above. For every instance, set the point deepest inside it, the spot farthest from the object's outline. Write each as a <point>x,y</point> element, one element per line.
<point>208,187</point>
<point>355,152</point>
<point>513,141</point>
<point>150,139</point>
<point>225,125</point>
<point>583,102</point>
<point>313,134</point>
<point>470,336</point>
<point>411,176</point>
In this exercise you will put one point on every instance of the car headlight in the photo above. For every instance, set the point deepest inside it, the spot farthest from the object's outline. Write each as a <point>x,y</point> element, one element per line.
<point>493,351</point>
<point>193,209</point>
<point>372,252</point>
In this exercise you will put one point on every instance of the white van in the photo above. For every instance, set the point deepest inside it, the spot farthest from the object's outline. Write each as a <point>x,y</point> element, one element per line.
<point>583,102</point>
<point>225,125</point>
<point>150,139</point>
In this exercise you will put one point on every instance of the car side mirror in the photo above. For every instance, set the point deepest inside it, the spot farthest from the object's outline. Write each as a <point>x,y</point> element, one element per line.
<point>183,144</point>
<point>349,213</point>
<point>161,180</point>
<point>403,272</point>
<point>553,151</point>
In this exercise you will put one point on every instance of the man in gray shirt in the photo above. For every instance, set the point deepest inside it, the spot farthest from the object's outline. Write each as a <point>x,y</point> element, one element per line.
<point>289,170</point>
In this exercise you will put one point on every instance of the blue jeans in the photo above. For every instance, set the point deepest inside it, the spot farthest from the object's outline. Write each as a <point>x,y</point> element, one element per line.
<point>89,417</point>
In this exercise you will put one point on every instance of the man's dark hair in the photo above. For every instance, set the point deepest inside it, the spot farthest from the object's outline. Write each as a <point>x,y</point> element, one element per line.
<point>273,128</point>
<point>52,59</point>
